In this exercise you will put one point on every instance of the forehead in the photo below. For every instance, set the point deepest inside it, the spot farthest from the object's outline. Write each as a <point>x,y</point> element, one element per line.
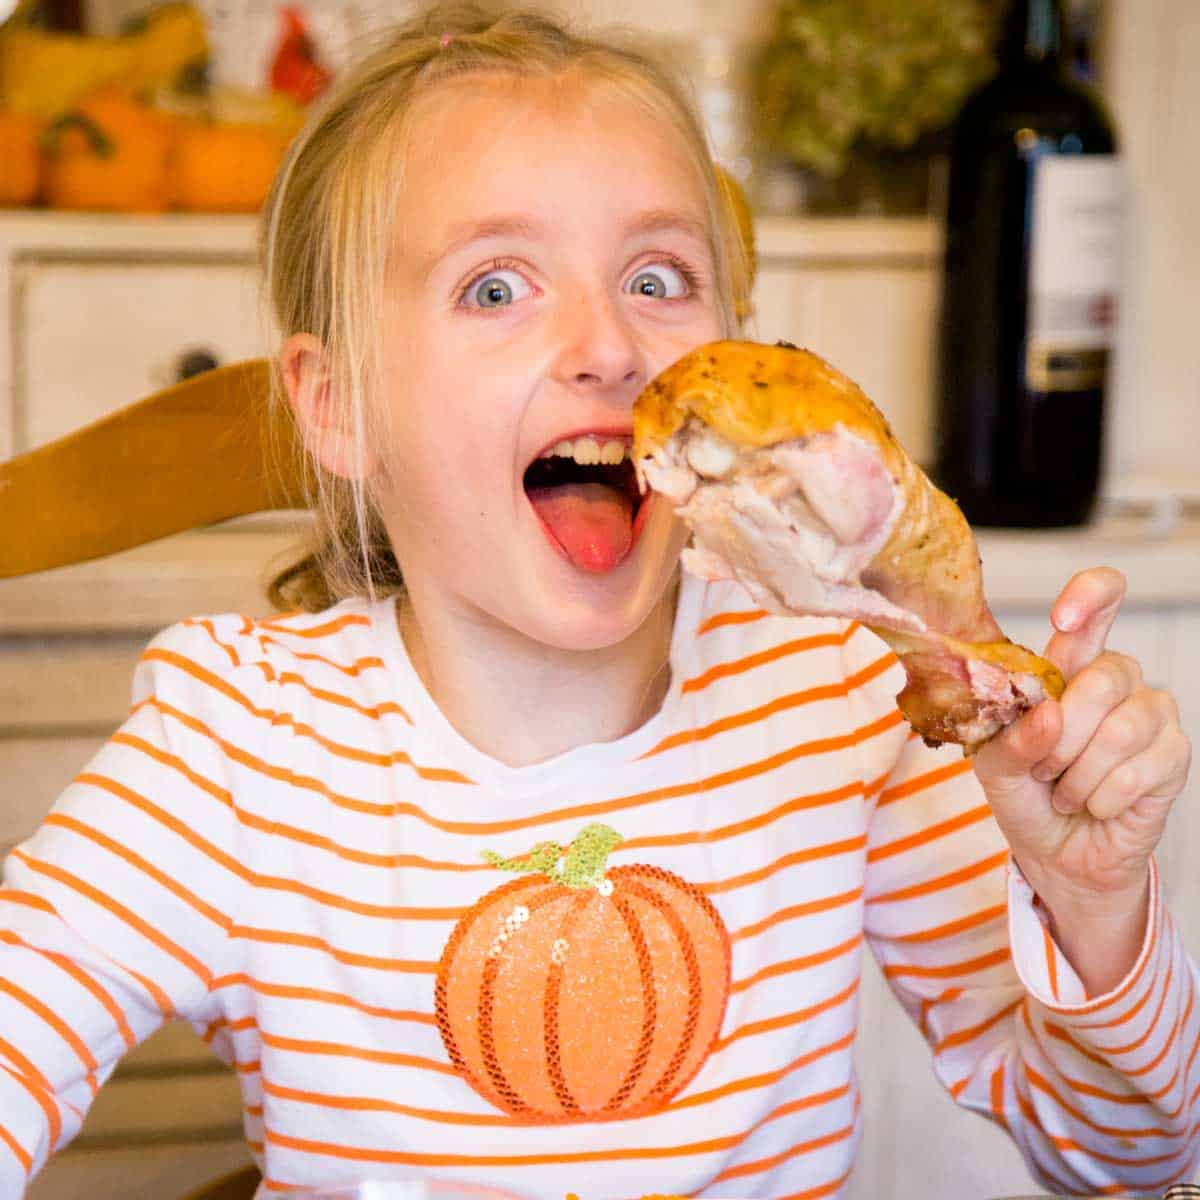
<point>489,142</point>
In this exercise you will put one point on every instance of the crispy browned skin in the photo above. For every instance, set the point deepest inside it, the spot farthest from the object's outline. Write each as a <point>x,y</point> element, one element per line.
<point>757,396</point>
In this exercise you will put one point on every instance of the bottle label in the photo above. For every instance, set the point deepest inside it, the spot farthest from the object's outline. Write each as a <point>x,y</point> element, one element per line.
<point>1074,271</point>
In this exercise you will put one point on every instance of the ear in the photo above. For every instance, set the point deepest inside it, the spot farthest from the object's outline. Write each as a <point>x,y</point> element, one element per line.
<point>320,414</point>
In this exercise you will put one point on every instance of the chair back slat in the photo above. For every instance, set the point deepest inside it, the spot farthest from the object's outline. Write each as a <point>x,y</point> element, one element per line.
<point>202,451</point>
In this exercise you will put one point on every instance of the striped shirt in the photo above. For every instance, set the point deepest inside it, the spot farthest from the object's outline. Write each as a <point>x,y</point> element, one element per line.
<point>284,845</point>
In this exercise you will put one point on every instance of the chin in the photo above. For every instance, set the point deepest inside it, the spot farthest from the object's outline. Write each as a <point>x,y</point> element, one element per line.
<point>581,610</point>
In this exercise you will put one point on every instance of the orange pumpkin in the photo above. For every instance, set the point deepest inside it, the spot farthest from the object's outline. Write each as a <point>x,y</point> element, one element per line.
<point>110,153</point>
<point>224,166</point>
<point>20,158</point>
<point>581,993</point>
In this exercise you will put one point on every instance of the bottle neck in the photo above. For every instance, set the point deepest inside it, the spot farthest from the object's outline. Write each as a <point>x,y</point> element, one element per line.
<point>1034,35</point>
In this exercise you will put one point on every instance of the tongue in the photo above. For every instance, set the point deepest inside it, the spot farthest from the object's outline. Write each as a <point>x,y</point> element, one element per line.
<point>591,521</point>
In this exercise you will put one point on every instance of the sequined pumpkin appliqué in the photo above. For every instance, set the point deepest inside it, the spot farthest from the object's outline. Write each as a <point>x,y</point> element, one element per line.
<point>570,1001</point>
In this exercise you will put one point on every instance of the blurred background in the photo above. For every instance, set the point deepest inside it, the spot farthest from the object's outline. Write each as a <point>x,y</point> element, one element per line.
<point>136,144</point>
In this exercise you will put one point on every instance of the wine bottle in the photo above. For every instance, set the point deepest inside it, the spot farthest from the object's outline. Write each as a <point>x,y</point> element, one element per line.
<point>1029,294</point>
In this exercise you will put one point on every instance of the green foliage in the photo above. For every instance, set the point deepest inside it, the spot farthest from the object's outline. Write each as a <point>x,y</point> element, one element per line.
<point>835,73</point>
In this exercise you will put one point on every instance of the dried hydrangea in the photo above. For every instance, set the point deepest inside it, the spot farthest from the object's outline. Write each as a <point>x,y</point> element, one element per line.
<point>837,72</point>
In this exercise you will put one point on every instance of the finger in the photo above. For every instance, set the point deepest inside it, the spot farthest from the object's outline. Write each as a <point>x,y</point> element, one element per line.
<point>1082,616</point>
<point>1124,734</point>
<point>1158,772</point>
<point>1003,764</point>
<point>1095,692</point>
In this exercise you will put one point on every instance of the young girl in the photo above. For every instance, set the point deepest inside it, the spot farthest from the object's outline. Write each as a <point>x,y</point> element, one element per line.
<point>526,860</point>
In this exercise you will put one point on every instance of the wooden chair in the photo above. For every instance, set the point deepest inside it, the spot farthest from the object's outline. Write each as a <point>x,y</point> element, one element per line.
<point>237,1185</point>
<point>202,451</point>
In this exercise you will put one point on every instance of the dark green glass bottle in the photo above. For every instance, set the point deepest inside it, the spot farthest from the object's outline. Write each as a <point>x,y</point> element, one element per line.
<point>1029,292</point>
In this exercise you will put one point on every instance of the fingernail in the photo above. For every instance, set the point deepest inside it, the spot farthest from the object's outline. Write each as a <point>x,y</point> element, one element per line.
<point>1068,618</point>
<point>1065,807</point>
<point>1043,773</point>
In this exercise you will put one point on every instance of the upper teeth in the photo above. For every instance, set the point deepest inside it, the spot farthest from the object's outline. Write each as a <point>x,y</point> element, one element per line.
<point>587,451</point>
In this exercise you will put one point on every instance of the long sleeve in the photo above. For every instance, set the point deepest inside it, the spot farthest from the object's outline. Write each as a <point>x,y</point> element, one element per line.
<point>1100,1094</point>
<point>114,916</point>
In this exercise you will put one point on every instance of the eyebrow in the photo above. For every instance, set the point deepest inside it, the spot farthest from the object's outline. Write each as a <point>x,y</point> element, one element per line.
<point>658,220</point>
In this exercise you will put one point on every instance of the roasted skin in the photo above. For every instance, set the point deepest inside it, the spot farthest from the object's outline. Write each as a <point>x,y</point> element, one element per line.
<point>794,485</point>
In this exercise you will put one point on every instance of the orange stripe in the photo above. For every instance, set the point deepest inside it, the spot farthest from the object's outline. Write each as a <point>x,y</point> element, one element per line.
<point>269,672</point>
<point>811,854</point>
<point>376,1104</point>
<point>231,864</point>
<point>37,1085</point>
<point>1168,1045</point>
<point>752,1083</point>
<point>953,879</point>
<point>291,832</point>
<point>283,720</point>
<point>359,1053</point>
<point>1086,1089</point>
<point>960,1037</point>
<point>766,1079</point>
<point>1129,1014</point>
<point>731,618</point>
<point>951,928</point>
<point>827,691</point>
<point>795,964</point>
<point>277,937</point>
<point>797,910</point>
<point>52,1019</point>
<point>138,863</point>
<point>957,1089</point>
<point>798,1151</point>
<point>576,812</point>
<point>636,1153</point>
<point>947,996</point>
<point>739,666</point>
<point>370,662</point>
<point>325,629</point>
<point>83,979</point>
<point>1112,1131</point>
<point>288,992</point>
<point>18,1150</point>
<point>998,1097</point>
<point>993,958</point>
<point>919,783</point>
<point>119,911</point>
<point>705,836</point>
<point>30,900</point>
<point>1051,963</point>
<point>1156,919</point>
<point>822,1189</point>
<point>1165,988</point>
<point>391,861</point>
<point>930,833</point>
<point>771,1024</point>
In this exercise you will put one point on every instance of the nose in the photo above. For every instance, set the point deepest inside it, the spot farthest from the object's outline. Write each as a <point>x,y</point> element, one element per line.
<point>597,348</point>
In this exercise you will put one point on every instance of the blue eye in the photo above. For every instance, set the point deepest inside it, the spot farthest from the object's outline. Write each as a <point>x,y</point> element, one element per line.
<point>496,289</point>
<point>659,282</point>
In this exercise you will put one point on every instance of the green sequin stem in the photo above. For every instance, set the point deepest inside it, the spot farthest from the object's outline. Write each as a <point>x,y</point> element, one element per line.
<point>584,863</point>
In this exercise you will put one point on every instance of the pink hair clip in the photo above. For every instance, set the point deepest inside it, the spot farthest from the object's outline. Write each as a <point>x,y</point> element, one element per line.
<point>445,40</point>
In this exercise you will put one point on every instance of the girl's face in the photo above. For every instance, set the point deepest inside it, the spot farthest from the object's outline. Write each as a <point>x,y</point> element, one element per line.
<point>552,257</point>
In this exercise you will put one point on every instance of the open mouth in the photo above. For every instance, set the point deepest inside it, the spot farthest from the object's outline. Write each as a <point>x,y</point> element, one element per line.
<point>584,490</point>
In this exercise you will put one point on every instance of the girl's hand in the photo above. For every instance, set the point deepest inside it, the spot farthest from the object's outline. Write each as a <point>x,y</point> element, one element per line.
<point>1081,787</point>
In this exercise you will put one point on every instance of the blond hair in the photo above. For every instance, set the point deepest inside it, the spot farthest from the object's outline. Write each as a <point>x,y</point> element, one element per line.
<point>328,224</point>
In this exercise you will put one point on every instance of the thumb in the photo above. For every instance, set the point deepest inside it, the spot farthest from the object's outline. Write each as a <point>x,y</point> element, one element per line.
<point>1004,763</point>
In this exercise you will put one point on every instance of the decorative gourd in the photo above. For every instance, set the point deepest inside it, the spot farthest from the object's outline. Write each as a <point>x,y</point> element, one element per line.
<point>20,158</point>
<point>110,153</point>
<point>578,993</point>
<point>46,73</point>
<point>223,167</point>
